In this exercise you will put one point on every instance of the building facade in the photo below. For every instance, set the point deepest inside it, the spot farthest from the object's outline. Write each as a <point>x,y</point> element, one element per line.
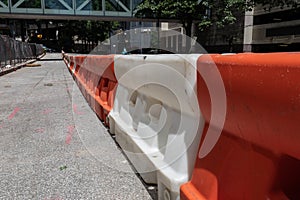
<point>272,31</point>
<point>259,30</point>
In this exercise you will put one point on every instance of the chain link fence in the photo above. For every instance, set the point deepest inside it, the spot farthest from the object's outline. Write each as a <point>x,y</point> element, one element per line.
<point>13,52</point>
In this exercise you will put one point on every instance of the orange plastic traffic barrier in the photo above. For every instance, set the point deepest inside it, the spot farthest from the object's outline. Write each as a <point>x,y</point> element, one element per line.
<point>97,82</point>
<point>258,154</point>
<point>78,62</point>
<point>80,72</point>
<point>71,61</point>
<point>77,67</point>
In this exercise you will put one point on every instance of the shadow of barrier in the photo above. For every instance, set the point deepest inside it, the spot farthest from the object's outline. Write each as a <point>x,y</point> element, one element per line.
<point>257,155</point>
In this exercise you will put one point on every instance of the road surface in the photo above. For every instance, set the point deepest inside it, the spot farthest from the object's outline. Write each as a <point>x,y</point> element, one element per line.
<point>53,146</point>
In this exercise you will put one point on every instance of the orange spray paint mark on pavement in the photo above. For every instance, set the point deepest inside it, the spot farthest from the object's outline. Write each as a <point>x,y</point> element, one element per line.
<point>12,115</point>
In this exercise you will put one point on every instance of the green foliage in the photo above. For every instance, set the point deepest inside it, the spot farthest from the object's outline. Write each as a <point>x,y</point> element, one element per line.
<point>206,12</point>
<point>92,31</point>
<point>97,5</point>
<point>89,31</point>
<point>29,4</point>
<point>5,2</point>
<point>63,167</point>
<point>269,4</point>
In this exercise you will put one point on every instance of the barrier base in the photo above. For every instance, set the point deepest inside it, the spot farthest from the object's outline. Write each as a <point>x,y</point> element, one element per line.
<point>143,164</point>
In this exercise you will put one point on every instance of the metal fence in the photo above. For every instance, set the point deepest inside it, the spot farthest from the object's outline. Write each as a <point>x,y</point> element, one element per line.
<point>13,52</point>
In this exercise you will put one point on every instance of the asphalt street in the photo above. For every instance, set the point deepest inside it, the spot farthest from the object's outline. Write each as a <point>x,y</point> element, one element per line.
<point>53,146</point>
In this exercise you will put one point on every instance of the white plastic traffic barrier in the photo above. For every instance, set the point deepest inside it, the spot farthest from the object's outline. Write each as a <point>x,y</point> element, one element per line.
<point>156,117</point>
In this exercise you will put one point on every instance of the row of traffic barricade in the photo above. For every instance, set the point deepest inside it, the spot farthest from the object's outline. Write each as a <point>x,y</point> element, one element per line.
<point>206,126</point>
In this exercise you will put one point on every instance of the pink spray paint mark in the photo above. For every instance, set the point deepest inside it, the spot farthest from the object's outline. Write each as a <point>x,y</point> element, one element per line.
<point>68,139</point>
<point>70,133</point>
<point>12,115</point>
<point>71,128</point>
<point>40,130</point>
<point>47,111</point>
<point>76,111</point>
<point>56,198</point>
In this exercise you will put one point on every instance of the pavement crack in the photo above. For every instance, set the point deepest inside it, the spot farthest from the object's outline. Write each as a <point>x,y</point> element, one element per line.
<point>40,80</point>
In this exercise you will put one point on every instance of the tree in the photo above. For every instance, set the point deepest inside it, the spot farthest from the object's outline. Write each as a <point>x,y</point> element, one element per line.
<point>207,13</point>
<point>189,11</point>
<point>89,32</point>
<point>269,4</point>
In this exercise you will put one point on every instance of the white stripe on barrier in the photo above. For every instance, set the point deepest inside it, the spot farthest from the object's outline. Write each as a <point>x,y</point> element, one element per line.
<point>69,63</point>
<point>74,65</point>
<point>156,117</point>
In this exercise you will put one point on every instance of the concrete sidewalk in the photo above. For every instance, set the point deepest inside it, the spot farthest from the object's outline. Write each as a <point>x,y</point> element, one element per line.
<point>53,146</point>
